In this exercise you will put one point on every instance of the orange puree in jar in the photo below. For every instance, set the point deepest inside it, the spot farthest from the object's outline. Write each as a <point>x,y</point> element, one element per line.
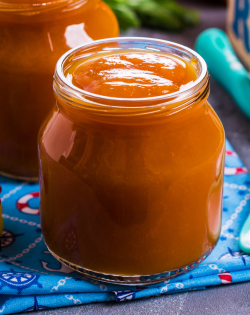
<point>133,75</point>
<point>33,35</point>
<point>131,162</point>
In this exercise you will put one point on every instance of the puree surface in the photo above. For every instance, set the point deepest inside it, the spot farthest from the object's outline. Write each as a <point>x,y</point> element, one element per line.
<point>133,75</point>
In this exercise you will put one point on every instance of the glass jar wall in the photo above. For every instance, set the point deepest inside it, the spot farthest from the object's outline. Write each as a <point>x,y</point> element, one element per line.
<point>131,189</point>
<point>33,35</point>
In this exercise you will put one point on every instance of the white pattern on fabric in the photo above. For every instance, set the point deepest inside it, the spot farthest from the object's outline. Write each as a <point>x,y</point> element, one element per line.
<point>24,251</point>
<point>235,186</point>
<point>215,267</point>
<point>6,216</point>
<point>60,283</point>
<point>70,297</point>
<point>102,286</point>
<point>165,288</point>
<point>238,210</point>
<point>13,191</point>
<point>27,268</point>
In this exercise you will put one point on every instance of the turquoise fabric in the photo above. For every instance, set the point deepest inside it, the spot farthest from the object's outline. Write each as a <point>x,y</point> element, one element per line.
<point>31,279</point>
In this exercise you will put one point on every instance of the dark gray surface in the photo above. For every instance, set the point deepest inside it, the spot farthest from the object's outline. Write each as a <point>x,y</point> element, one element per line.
<point>223,300</point>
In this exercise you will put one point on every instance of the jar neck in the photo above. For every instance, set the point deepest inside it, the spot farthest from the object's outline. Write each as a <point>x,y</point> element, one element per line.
<point>148,111</point>
<point>31,10</point>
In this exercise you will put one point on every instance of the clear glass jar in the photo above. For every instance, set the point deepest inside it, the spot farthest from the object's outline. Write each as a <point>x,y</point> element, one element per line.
<point>33,35</point>
<point>131,189</point>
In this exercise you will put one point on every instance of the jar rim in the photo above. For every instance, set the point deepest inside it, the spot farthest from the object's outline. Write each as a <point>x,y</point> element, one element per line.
<point>60,81</point>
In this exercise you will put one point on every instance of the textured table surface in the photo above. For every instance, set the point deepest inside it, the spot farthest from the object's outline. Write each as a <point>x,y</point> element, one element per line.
<point>223,300</point>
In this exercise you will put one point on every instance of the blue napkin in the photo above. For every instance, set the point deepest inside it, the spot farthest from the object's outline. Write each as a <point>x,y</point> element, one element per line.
<point>31,279</point>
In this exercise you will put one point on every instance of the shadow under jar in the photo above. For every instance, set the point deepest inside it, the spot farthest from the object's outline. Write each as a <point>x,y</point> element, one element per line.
<point>33,35</point>
<point>131,188</point>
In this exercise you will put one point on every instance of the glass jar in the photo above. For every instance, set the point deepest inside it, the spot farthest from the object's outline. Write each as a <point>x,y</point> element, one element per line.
<point>131,189</point>
<point>33,35</point>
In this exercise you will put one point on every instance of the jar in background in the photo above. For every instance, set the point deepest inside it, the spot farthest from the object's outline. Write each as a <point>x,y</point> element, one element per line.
<point>131,189</point>
<point>33,35</point>
<point>238,29</point>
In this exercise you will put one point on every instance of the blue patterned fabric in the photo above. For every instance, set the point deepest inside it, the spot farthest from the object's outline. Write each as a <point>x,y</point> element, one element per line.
<point>31,279</point>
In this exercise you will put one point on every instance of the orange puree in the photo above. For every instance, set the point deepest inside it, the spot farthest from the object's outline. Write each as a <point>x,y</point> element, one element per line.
<point>131,191</point>
<point>134,75</point>
<point>33,35</point>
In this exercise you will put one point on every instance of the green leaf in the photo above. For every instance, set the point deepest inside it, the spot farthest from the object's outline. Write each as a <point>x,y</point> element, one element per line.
<point>125,16</point>
<point>154,15</point>
<point>190,17</point>
<point>161,14</point>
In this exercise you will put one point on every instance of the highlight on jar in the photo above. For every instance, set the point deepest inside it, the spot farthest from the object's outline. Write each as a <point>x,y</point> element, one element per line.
<point>131,162</point>
<point>34,34</point>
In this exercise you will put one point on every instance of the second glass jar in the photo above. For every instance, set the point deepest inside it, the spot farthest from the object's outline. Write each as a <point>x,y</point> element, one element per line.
<point>33,35</point>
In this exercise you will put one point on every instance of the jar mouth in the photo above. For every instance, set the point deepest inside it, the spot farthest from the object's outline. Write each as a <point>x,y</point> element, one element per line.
<point>36,7</point>
<point>64,88</point>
